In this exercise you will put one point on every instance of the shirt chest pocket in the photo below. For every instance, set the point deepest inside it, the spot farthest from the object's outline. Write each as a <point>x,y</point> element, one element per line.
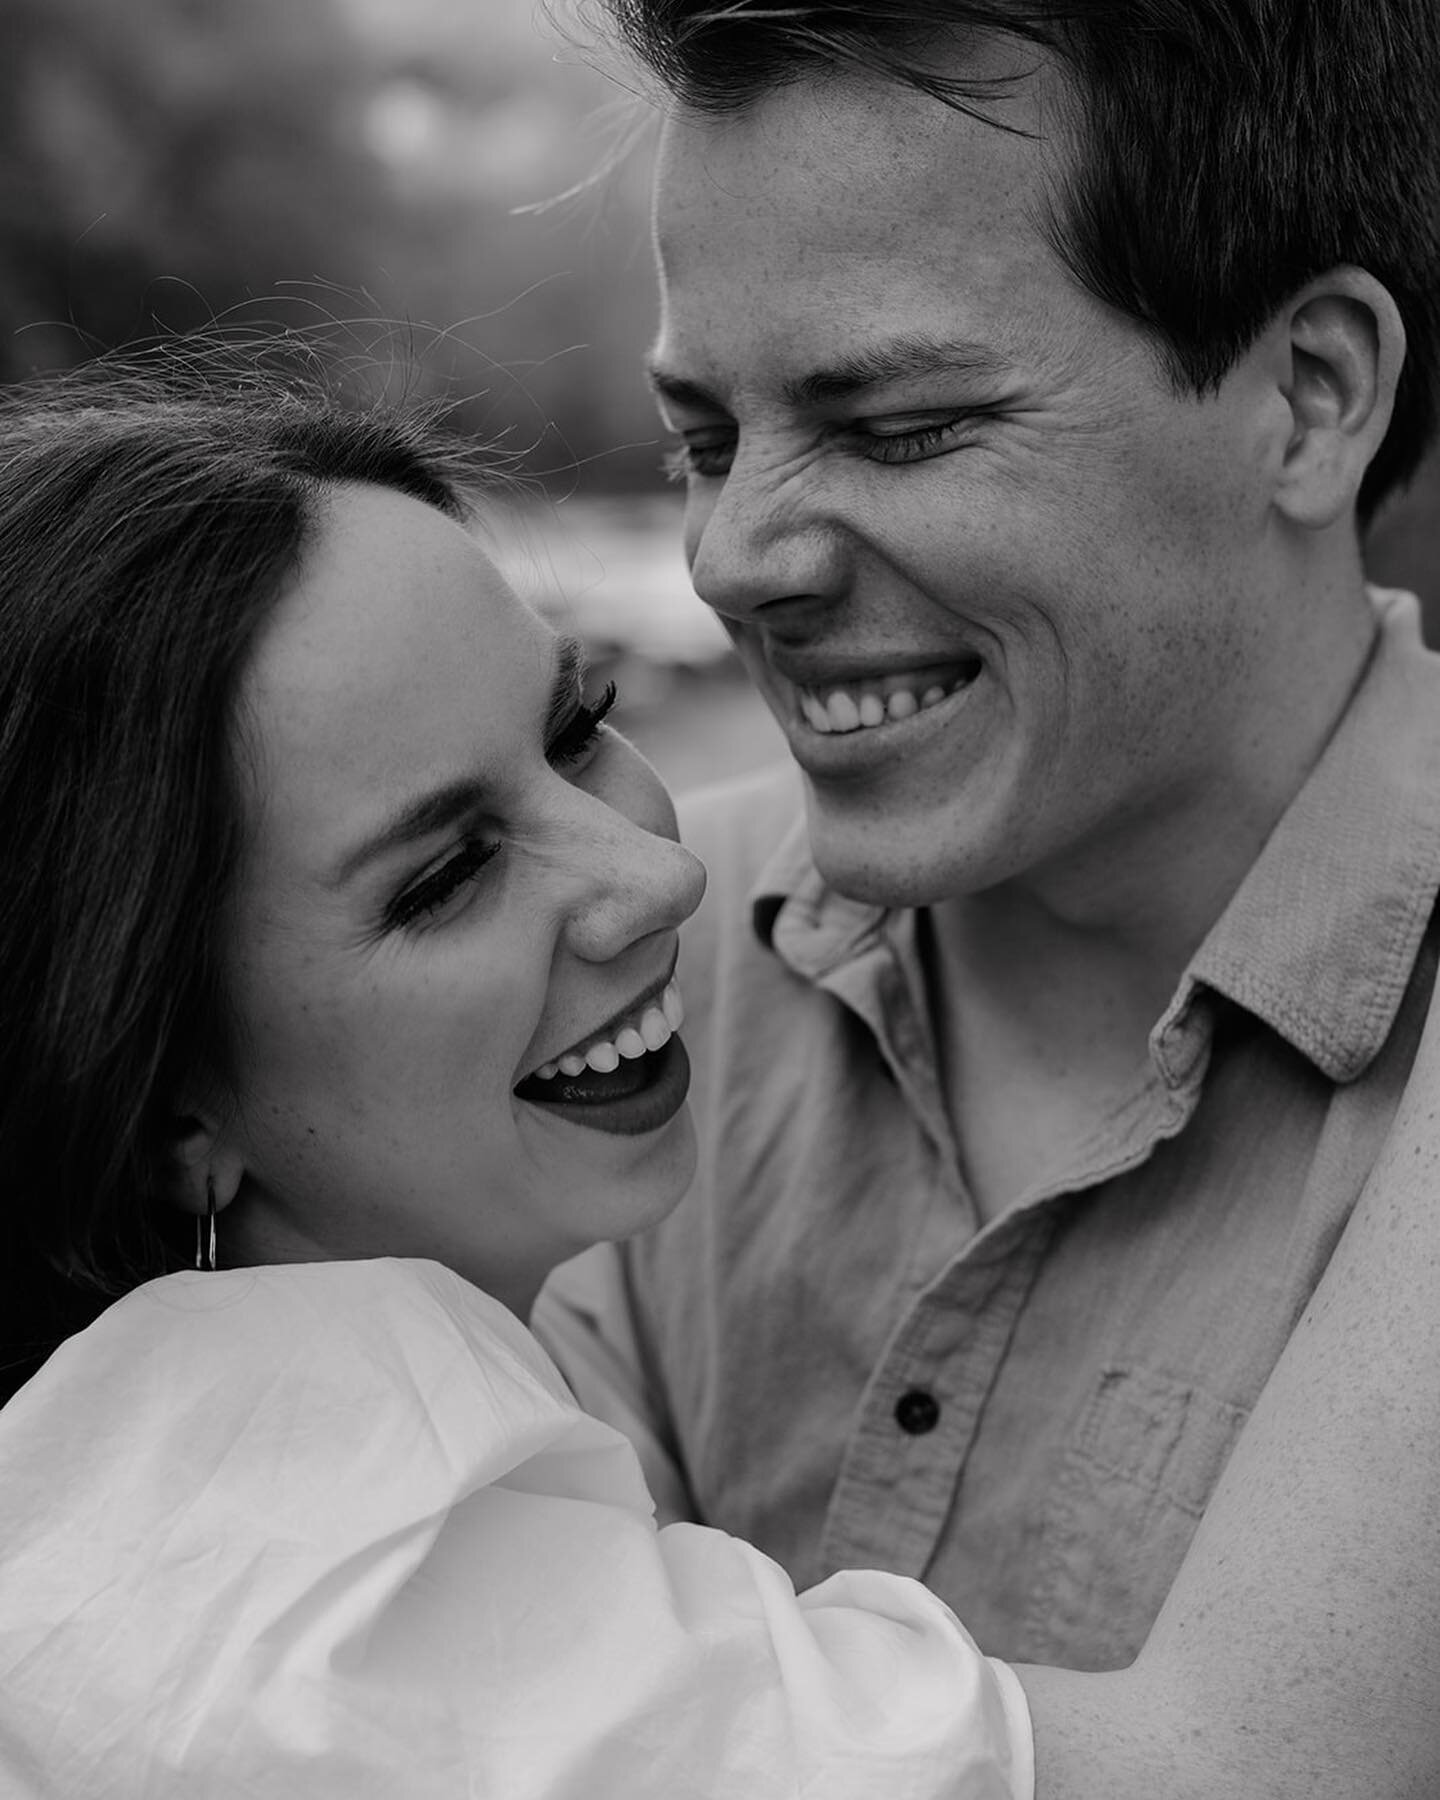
<point>1130,1489</point>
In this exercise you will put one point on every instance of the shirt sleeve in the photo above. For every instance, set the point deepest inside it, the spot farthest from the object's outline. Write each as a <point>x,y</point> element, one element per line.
<point>584,1319</point>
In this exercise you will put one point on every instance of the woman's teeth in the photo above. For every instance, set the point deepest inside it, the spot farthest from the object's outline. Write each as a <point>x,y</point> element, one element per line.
<point>861,708</point>
<point>649,1030</point>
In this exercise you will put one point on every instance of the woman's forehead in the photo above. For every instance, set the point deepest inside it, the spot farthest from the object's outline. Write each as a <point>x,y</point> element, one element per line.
<point>399,655</point>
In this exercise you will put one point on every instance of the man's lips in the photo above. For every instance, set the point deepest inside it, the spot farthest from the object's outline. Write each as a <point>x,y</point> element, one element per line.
<point>816,668</point>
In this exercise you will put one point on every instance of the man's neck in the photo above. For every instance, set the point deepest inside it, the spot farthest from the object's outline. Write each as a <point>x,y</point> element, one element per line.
<point>1138,896</point>
<point>1047,987</point>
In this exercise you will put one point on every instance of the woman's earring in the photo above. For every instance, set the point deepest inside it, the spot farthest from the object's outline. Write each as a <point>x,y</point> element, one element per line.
<point>205,1229</point>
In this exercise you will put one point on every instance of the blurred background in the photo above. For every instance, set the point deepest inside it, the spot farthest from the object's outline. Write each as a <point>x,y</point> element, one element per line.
<point>414,175</point>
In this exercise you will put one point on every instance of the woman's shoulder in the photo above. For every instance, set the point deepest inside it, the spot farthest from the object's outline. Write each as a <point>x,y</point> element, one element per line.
<point>343,1320</point>
<point>396,1376</point>
<point>337,1321</point>
<point>219,1494</point>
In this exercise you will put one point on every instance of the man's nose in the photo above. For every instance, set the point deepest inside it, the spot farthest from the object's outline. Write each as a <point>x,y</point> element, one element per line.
<point>629,883</point>
<point>760,537</point>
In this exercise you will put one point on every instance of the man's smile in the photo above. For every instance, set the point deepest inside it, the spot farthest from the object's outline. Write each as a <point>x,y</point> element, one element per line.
<point>841,719</point>
<point>862,705</point>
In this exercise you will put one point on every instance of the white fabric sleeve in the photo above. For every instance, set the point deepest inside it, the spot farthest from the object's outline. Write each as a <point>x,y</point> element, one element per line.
<point>338,1531</point>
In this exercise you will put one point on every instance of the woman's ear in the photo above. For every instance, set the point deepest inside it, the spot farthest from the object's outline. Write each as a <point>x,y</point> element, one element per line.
<point>200,1159</point>
<point>1340,359</point>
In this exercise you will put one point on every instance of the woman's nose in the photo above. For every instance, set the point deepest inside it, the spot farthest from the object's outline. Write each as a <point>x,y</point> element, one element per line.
<point>633,882</point>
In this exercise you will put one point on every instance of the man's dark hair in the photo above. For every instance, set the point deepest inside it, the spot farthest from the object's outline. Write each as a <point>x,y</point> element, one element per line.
<point>151,516</point>
<point>1228,151</point>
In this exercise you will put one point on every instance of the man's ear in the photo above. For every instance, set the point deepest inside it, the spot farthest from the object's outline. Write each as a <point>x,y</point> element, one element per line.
<point>1342,346</point>
<point>200,1157</point>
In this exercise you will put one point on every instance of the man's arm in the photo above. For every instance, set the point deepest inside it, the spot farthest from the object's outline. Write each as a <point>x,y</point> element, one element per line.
<point>584,1319</point>
<point>1298,1653</point>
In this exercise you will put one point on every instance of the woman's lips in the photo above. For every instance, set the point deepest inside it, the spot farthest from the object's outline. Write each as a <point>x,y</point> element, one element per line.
<point>640,1094</point>
<point>631,1080</point>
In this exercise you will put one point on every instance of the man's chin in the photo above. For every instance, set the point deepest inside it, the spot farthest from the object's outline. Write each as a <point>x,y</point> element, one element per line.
<point>893,868</point>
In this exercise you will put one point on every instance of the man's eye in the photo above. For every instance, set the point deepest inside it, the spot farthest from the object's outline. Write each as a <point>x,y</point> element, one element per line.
<point>432,891</point>
<point>705,453</point>
<point>916,442</point>
<point>580,731</point>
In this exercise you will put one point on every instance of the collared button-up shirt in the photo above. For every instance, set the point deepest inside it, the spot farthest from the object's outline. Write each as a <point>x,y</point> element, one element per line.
<point>847,1366</point>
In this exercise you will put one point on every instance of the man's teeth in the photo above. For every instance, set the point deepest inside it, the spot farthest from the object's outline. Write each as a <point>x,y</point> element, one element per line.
<point>650,1030</point>
<point>862,708</point>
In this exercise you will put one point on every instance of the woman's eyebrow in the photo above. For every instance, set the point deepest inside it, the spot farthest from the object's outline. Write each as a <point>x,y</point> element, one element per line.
<point>439,808</point>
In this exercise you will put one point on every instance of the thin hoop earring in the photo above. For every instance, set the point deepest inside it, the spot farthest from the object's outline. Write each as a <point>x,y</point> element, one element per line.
<point>205,1230</point>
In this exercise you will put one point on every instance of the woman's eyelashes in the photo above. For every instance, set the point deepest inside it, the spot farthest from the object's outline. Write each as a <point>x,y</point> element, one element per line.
<point>568,748</point>
<point>580,731</point>
<point>438,886</point>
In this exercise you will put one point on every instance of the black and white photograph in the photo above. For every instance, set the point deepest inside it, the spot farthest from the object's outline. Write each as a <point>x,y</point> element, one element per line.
<point>719,900</point>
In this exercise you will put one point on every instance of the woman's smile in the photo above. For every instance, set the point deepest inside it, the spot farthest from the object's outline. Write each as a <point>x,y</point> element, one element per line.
<point>454,936</point>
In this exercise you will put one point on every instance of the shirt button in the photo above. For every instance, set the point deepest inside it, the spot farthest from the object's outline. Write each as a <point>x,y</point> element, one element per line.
<point>917,1412</point>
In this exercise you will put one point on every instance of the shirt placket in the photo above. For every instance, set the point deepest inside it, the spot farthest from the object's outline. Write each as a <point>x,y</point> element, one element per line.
<point>921,1409</point>
<point>923,1405</point>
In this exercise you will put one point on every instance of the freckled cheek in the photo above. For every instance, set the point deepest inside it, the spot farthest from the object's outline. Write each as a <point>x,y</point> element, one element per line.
<point>349,1050</point>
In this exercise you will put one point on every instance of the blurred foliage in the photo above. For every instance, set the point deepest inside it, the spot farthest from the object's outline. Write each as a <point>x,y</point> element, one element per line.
<point>164,162</point>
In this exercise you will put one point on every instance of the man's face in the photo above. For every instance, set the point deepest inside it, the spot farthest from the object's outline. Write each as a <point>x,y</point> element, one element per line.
<point>1001,586</point>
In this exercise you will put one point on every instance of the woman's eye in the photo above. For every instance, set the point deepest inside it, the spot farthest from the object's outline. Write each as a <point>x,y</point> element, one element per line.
<point>435,889</point>
<point>581,729</point>
<point>707,453</point>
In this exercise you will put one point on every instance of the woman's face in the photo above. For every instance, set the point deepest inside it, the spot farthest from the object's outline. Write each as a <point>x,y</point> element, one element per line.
<point>454,879</point>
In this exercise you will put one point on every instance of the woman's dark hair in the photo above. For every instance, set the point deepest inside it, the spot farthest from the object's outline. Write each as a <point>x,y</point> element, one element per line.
<point>150,517</point>
<point>1229,151</point>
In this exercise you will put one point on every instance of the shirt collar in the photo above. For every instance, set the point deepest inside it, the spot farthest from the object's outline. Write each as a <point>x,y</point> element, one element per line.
<point>797,914</point>
<point>1319,939</point>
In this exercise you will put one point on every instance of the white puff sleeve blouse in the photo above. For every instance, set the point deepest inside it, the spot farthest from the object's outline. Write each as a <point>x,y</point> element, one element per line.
<point>339,1531</point>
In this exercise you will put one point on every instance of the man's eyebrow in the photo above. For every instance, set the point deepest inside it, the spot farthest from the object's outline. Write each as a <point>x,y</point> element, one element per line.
<point>896,359</point>
<point>680,390</point>
<point>438,809</point>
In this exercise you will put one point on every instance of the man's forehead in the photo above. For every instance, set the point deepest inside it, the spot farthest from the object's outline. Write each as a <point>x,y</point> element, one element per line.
<point>866,125</point>
<point>837,235</point>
